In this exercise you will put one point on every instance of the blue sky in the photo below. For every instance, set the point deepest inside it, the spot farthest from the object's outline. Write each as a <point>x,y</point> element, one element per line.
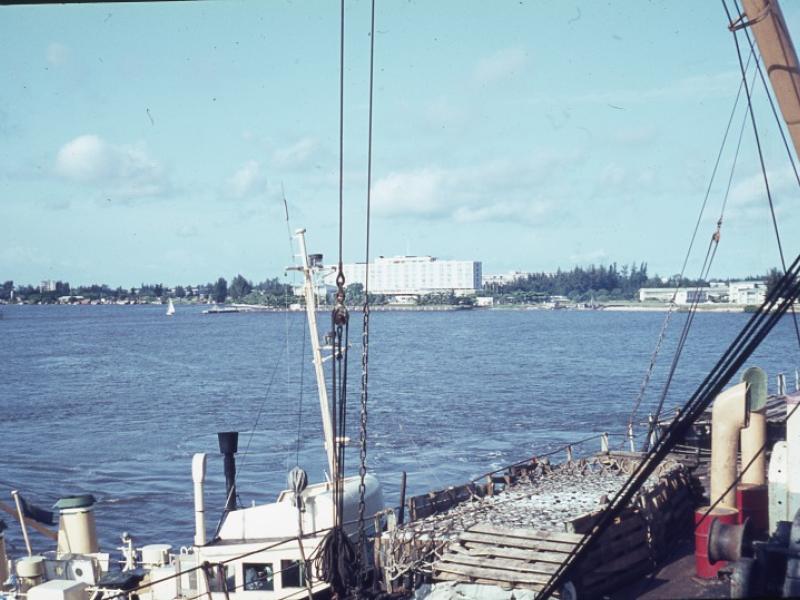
<point>150,142</point>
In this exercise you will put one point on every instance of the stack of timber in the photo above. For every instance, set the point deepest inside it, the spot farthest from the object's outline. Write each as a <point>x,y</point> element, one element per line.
<point>516,528</point>
<point>505,557</point>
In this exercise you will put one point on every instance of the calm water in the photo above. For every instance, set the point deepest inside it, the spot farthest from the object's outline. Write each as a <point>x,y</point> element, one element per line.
<point>114,400</point>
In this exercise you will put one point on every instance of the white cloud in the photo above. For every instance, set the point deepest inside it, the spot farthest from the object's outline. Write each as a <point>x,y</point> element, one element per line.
<point>694,88</point>
<point>589,257</point>
<point>613,175</point>
<point>500,65</point>
<point>57,54</point>
<point>247,180</point>
<point>187,231</point>
<point>751,190</point>
<point>296,155</point>
<point>500,190</point>
<point>126,171</point>
<point>442,111</point>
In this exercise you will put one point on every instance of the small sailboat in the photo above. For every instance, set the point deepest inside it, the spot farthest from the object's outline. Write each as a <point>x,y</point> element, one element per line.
<point>170,308</point>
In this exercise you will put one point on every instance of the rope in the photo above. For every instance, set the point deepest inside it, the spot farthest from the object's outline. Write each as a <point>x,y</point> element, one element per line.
<point>779,122</point>
<point>300,400</point>
<point>665,325</point>
<point>757,328</point>
<point>362,471</point>
<point>741,474</point>
<point>255,424</point>
<point>763,165</point>
<point>341,132</point>
<point>703,275</point>
<point>229,560</point>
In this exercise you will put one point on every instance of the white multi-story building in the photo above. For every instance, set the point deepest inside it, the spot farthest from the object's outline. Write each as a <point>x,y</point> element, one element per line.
<point>414,275</point>
<point>682,295</point>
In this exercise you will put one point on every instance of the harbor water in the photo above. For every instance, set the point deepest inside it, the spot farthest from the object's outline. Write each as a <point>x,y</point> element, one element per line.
<point>114,400</point>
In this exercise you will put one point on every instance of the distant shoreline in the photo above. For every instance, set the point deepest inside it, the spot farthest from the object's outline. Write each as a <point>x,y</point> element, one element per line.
<point>251,308</point>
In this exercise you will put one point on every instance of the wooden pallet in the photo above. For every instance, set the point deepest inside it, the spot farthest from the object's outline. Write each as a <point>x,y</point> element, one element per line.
<point>508,558</point>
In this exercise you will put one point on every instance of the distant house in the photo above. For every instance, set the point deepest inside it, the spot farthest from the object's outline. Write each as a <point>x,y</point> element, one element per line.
<point>681,295</point>
<point>747,292</point>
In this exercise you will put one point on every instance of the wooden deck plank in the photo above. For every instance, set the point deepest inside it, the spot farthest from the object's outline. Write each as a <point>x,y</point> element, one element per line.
<point>498,575</point>
<point>482,551</point>
<point>529,545</point>
<point>532,534</point>
<point>444,576</point>
<point>502,564</point>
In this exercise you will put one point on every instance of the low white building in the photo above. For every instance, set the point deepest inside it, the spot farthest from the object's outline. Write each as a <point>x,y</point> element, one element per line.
<point>682,295</point>
<point>504,278</point>
<point>414,275</point>
<point>747,292</point>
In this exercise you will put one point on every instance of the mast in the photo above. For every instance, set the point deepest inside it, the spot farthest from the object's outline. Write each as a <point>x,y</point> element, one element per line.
<point>311,312</point>
<point>766,20</point>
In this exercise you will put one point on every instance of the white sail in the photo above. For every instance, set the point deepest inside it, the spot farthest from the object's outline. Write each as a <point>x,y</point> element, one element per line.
<point>170,308</point>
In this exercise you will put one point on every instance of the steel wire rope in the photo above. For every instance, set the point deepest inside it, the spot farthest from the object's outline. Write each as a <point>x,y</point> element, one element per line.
<point>286,309</point>
<point>703,275</point>
<point>684,335</point>
<point>362,468</point>
<point>778,120</point>
<point>252,432</point>
<point>752,334</point>
<point>335,561</point>
<point>664,326</point>
<point>743,471</point>
<point>300,397</point>
<point>265,548</point>
<point>761,160</point>
<point>303,345</point>
<point>736,481</point>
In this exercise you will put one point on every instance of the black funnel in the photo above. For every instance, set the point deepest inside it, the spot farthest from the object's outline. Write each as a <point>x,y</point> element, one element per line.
<point>228,446</point>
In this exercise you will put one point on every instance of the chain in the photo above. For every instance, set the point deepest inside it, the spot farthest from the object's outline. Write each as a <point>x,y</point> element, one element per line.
<point>362,470</point>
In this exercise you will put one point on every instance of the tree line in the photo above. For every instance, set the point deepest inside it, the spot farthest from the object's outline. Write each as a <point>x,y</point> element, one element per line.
<point>269,292</point>
<point>582,284</point>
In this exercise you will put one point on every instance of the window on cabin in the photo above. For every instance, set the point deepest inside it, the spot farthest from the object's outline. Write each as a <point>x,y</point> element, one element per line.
<point>258,577</point>
<point>293,573</point>
<point>222,578</point>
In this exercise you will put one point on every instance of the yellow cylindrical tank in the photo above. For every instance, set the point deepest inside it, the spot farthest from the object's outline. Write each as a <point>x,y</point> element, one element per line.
<point>77,532</point>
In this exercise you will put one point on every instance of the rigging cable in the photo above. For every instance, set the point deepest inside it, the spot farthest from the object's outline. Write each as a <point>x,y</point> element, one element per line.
<point>777,302</point>
<point>252,432</point>
<point>292,257</point>
<point>778,120</point>
<point>362,469</point>
<point>704,271</point>
<point>659,342</point>
<point>336,561</point>
<point>733,30</point>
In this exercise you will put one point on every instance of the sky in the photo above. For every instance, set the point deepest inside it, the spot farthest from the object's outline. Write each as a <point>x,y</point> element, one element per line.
<point>154,142</point>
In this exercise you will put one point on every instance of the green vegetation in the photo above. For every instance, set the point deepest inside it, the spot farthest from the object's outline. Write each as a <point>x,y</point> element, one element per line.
<point>603,284</point>
<point>270,292</point>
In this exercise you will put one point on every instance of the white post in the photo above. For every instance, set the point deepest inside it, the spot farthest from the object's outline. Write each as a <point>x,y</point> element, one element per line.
<point>781,384</point>
<point>15,495</point>
<point>199,477</point>
<point>604,443</point>
<point>311,311</point>
<point>630,437</point>
<point>569,454</point>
